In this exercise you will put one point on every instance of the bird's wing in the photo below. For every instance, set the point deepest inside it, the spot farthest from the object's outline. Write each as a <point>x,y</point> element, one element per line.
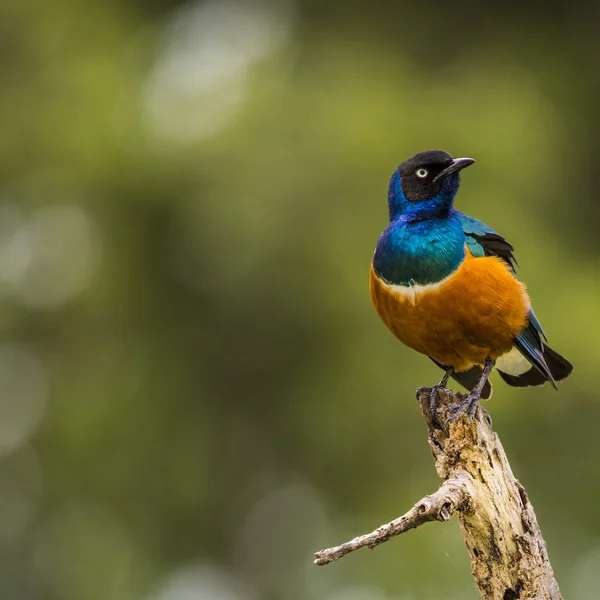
<point>484,241</point>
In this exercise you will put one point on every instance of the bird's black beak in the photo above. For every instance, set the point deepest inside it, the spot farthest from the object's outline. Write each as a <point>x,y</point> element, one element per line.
<point>457,165</point>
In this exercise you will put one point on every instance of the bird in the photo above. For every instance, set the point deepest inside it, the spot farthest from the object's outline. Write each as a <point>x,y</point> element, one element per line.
<point>445,285</point>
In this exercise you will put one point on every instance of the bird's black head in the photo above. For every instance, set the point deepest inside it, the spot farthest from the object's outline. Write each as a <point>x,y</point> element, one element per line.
<point>423,175</point>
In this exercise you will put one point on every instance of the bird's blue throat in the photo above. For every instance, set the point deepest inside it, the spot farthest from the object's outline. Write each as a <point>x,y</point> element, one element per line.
<point>424,241</point>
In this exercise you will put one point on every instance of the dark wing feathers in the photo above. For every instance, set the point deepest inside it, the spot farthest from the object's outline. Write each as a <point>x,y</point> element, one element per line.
<point>559,366</point>
<point>495,245</point>
<point>531,347</point>
<point>536,324</point>
<point>484,241</point>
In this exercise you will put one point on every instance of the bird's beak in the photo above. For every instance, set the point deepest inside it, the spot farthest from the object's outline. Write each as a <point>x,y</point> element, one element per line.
<point>457,165</point>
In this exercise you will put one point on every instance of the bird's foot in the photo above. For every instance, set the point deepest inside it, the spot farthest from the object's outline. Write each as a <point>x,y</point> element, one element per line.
<point>466,405</point>
<point>434,397</point>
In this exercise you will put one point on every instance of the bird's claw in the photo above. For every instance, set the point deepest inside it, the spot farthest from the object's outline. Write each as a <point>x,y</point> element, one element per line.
<point>434,396</point>
<point>467,405</point>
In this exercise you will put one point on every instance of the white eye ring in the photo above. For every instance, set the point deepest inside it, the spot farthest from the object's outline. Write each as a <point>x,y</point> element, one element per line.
<point>421,173</point>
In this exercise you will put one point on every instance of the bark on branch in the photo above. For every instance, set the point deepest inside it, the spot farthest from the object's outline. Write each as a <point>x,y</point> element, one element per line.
<point>509,559</point>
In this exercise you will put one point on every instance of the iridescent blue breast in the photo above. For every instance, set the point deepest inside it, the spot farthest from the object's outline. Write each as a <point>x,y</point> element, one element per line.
<point>421,251</point>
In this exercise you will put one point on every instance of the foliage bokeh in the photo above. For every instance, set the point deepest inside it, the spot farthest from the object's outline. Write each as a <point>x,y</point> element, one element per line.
<point>195,393</point>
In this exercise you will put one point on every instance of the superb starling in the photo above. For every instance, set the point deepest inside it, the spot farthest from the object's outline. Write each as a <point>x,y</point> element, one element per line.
<point>445,285</point>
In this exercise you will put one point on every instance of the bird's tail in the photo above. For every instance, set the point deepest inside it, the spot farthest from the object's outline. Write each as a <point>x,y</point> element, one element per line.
<point>558,366</point>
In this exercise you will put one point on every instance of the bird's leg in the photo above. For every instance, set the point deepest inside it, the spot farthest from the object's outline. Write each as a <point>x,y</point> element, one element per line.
<point>434,393</point>
<point>470,402</point>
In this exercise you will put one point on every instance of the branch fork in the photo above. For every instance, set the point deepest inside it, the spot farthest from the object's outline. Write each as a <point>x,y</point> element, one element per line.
<point>509,559</point>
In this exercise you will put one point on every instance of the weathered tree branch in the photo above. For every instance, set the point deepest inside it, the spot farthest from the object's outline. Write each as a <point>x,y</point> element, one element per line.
<point>509,559</point>
<point>440,506</point>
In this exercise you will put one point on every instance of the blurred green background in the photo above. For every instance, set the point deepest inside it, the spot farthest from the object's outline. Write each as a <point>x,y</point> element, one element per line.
<point>195,393</point>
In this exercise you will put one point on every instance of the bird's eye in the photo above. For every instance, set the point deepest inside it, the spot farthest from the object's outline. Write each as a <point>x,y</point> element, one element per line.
<point>421,173</point>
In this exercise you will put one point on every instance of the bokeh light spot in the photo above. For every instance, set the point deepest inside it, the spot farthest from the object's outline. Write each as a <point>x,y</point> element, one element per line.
<point>198,85</point>
<point>49,257</point>
<point>203,582</point>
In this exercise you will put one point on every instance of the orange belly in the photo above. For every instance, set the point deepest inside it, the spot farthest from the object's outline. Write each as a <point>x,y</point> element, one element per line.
<point>475,313</point>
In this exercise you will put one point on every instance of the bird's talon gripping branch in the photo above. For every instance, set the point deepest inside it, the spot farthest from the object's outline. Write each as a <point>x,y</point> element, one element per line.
<point>473,408</point>
<point>434,398</point>
<point>455,406</point>
<point>433,394</point>
<point>467,405</point>
<point>433,402</point>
